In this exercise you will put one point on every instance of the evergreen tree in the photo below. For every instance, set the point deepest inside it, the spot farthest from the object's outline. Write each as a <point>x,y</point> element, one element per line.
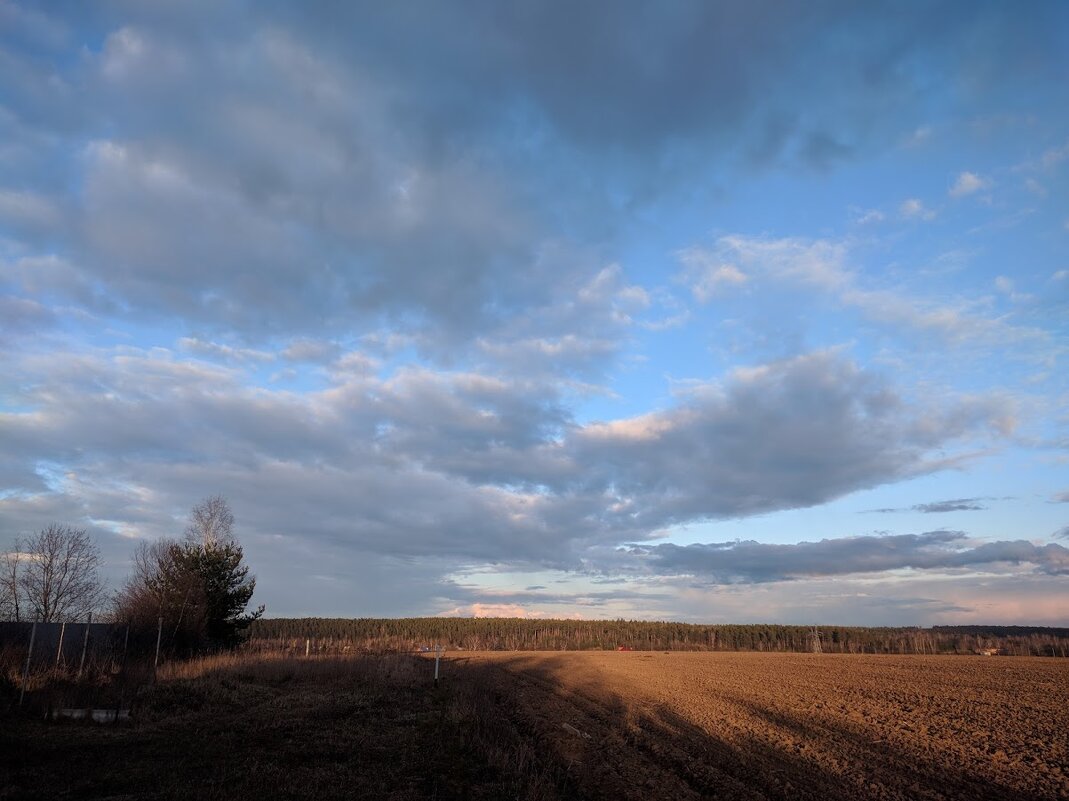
<point>226,588</point>
<point>200,587</point>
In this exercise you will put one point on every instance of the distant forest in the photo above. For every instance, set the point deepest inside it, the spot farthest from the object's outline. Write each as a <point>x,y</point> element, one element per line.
<point>334,635</point>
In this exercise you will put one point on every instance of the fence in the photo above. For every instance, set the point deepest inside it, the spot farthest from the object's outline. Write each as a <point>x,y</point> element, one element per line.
<point>56,666</point>
<point>65,646</point>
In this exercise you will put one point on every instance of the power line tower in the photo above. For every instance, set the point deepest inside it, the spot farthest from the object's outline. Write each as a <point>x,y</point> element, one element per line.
<point>814,641</point>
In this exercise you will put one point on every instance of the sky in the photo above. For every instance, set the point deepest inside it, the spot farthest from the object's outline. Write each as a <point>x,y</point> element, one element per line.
<point>712,312</point>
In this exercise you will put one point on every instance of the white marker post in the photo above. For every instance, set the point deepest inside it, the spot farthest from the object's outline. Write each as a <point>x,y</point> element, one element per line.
<point>59,648</point>
<point>159,638</point>
<point>29,655</point>
<point>85,645</point>
<point>437,658</point>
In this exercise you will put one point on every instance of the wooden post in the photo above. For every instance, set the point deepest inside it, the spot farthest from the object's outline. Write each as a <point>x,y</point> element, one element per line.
<point>85,644</point>
<point>59,648</point>
<point>437,659</point>
<point>159,636</point>
<point>307,646</point>
<point>26,671</point>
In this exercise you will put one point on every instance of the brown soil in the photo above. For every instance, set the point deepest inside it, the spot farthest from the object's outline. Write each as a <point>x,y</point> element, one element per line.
<point>750,725</point>
<point>550,726</point>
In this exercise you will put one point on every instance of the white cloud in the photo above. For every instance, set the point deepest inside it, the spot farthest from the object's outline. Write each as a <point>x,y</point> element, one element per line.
<point>1054,156</point>
<point>820,263</point>
<point>870,216</point>
<point>967,183</point>
<point>1035,187</point>
<point>707,276</point>
<point>918,136</point>
<point>310,350</point>
<point>224,353</point>
<point>914,209</point>
<point>824,265</point>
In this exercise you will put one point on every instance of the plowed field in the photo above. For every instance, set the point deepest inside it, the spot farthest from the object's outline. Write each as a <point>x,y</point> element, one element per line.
<point>750,726</point>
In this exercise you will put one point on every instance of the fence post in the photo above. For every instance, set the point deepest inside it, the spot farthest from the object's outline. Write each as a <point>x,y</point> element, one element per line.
<point>159,636</point>
<point>26,671</point>
<point>307,646</point>
<point>85,644</point>
<point>59,648</point>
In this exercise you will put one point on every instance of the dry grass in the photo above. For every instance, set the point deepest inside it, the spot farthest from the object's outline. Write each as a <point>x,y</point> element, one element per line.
<point>277,668</point>
<point>265,726</point>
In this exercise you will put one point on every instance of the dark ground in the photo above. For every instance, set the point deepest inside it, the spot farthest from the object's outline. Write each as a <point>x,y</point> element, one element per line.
<point>549,726</point>
<point>373,728</point>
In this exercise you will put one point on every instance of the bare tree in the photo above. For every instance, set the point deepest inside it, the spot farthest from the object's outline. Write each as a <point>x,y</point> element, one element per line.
<point>57,576</point>
<point>160,587</point>
<point>210,523</point>
<point>10,597</point>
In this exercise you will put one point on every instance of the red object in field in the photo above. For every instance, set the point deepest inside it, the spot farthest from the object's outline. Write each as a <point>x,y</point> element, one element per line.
<point>625,648</point>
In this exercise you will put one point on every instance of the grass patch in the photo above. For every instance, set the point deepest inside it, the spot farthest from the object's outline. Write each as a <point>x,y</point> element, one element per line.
<point>252,726</point>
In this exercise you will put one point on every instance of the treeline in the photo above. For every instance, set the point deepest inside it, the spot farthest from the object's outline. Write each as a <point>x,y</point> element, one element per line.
<point>333,635</point>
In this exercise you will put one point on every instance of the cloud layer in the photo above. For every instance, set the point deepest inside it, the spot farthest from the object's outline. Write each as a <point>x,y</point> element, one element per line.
<point>424,463</point>
<point>303,171</point>
<point>425,294</point>
<point>754,562</point>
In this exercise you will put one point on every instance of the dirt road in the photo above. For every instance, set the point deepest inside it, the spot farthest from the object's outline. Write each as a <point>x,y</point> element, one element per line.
<point>750,725</point>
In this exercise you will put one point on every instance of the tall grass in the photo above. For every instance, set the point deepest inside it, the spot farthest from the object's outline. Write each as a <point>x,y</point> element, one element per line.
<point>464,713</point>
<point>453,740</point>
<point>278,667</point>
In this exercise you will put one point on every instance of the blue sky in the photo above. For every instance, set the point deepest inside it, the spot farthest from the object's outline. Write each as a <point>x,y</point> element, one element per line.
<point>745,312</point>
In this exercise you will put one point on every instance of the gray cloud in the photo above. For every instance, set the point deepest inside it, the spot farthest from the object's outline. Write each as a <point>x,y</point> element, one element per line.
<point>957,505</point>
<point>754,562</point>
<point>305,170</point>
<point>458,465</point>
<point>938,507</point>
<point>610,73</point>
<point>788,434</point>
<point>296,200</point>
<point>21,317</point>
